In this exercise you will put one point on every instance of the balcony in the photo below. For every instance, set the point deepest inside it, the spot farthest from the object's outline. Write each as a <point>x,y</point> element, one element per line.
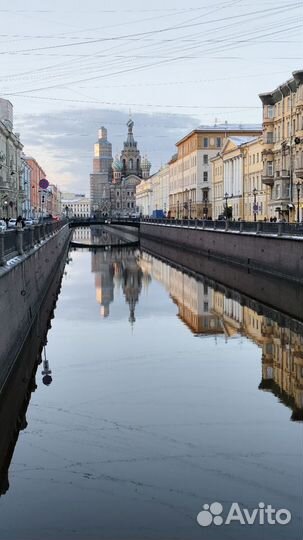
<point>268,179</point>
<point>268,118</point>
<point>283,175</point>
<point>268,175</point>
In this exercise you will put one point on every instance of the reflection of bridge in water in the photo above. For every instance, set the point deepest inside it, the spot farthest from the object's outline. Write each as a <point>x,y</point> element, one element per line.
<point>102,236</point>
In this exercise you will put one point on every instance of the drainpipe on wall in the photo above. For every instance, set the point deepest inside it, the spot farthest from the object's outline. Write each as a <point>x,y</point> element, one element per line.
<point>291,135</point>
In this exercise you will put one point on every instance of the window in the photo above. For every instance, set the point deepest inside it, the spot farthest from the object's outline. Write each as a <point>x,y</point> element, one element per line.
<point>278,191</point>
<point>270,137</point>
<point>218,142</point>
<point>205,306</point>
<point>205,176</point>
<point>270,111</point>
<point>205,142</point>
<point>270,168</point>
<point>205,159</point>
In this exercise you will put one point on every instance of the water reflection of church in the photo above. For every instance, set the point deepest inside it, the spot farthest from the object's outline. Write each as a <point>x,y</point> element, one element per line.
<point>117,269</point>
<point>207,311</point>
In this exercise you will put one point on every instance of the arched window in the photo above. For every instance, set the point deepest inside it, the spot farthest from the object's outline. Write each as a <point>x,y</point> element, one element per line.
<point>130,163</point>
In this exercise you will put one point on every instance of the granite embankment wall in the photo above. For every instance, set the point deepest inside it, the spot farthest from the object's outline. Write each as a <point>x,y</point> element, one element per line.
<point>278,256</point>
<point>277,298</point>
<point>24,283</point>
<point>125,232</point>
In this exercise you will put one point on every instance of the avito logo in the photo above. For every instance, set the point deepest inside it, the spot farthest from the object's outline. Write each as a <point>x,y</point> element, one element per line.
<point>263,514</point>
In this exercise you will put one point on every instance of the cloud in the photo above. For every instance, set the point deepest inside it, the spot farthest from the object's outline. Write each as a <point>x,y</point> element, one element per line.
<point>62,142</point>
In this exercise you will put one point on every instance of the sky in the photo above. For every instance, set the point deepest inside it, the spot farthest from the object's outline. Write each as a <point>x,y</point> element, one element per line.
<point>69,67</point>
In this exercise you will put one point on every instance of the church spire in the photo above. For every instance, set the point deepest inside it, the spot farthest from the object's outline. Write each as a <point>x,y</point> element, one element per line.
<point>130,137</point>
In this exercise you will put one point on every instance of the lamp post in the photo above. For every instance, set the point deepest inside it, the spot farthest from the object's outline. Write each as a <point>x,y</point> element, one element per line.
<point>189,208</point>
<point>185,205</point>
<point>177,209</point>
<point>298,185</point>
<point>226,207</point>
<point>6,207</point>
<point>255,203</point>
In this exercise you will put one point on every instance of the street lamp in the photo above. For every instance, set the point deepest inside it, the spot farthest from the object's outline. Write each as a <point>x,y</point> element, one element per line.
<point>185,205</point>
<point>298,185</point>
<point>226,196</point>
<point>189,208</point>
<point>177,209</point>
<point>255,191</point>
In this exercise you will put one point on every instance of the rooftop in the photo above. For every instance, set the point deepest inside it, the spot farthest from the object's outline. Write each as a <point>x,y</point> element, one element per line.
<point>241,140</point>
<point>226,128</point>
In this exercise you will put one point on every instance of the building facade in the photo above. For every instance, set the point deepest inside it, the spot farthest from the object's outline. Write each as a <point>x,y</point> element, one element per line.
<point>152,195</point>
<point>238,192</point>
<point>283,147</point>
<point>38,196</point>
<point>10,163</point>
<point>53,200</point>
<point>113,182</point>
<point>26,182</point>
<point>190,176</point>
<point>76,207</point>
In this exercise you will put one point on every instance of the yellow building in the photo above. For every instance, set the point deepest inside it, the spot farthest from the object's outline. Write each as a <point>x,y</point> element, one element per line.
<point>190,175</point>
<point>237,188</point>
<point>283,147</point>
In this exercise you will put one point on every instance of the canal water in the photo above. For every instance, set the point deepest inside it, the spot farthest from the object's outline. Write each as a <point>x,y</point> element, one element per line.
<point>157,395</point>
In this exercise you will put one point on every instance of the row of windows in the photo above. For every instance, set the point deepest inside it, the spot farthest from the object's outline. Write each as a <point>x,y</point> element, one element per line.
<point>218,142</point>
<point>129,205</point>
<point>191,145</point>
<point>129,193</point>
<point>277,110</point>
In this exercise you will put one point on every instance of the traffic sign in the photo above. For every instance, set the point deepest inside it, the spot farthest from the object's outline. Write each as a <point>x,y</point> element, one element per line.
<point>43,183</point>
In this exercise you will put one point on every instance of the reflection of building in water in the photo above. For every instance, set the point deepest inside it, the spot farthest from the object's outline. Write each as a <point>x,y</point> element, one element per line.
<point>81,234</point>
<point>115,268</point>
<point>102,267</point>
<point>282,350</point>
<point>230,313</point>
<point>206,310</point>
<point>131,283</point>
<point>282,365</point>
<point>193,298</point>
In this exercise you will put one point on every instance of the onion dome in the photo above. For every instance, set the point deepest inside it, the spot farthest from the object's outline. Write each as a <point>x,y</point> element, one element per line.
<point>145,164</point>
<point>117,165</point>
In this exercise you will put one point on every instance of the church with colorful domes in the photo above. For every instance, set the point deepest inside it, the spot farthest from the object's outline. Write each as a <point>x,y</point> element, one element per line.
<point>113,182</point>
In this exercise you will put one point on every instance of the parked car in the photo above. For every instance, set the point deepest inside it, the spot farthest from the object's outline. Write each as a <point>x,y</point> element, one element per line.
<point>28,222</point>
<point>2,225</point>
<point>11,223</point>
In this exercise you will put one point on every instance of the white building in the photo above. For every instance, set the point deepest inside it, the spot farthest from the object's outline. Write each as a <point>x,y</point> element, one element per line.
<point>152,195</point>
<point>76,207</point>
